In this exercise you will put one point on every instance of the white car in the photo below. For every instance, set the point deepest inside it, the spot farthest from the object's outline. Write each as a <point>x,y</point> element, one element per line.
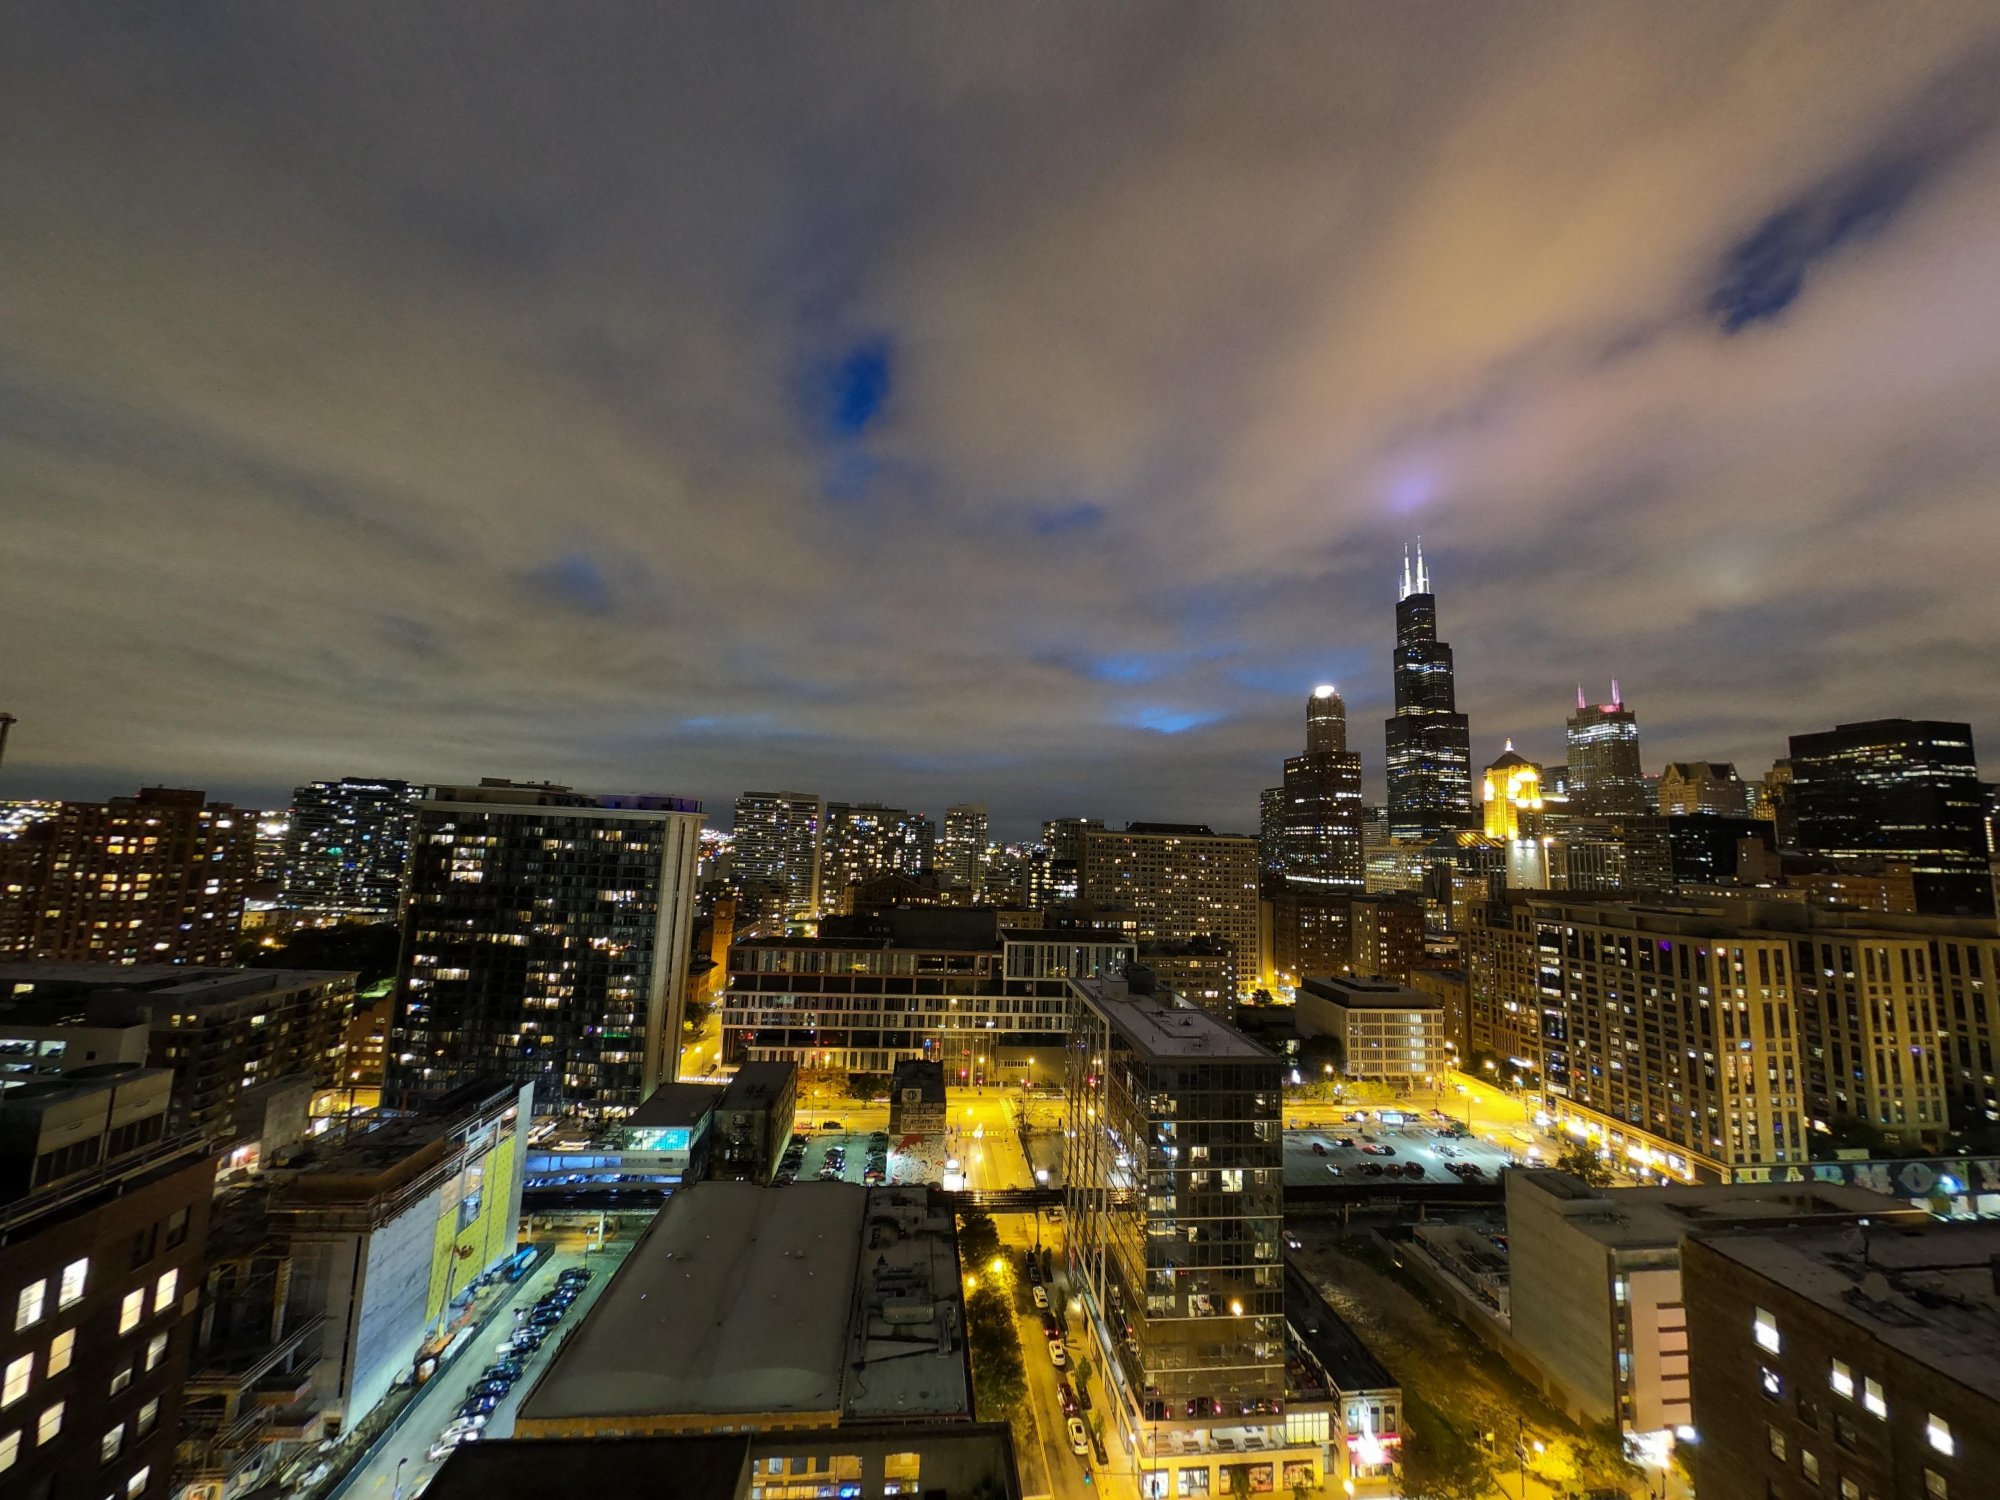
<point>449,1440</point>
<point>1056,1355</point>
<point>1040,1294</point>
<point>1079,1438</point>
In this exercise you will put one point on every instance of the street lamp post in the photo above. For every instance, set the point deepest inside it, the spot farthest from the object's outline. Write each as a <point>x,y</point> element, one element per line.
<point>397,1490</point>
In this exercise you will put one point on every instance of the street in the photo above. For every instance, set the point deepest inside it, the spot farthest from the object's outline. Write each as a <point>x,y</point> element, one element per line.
<point>401,1465</point>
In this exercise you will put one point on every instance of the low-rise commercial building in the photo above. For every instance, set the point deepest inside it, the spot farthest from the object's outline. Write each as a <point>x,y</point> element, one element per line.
<point>744,1309</point>
<point>753,1121</point>
<point>918,1104</point>
<point>1389,1033</point>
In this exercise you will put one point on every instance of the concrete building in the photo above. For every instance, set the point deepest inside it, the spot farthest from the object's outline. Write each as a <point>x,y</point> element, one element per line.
<point>1311,932</point>
<point>1594,1283</point>
<point>1340,1396</point>
<point>347,846</point>
<point>1385,936</point>
<point>103,1218</point>
<point>223,1032</point>
<point>1201,971</point>
<point>1689,787</point>
<point>1389,1033</point>
<point>821,1305</point>
<point>878,1461</point>
<point>1179,881</point>
<point>753,1121</point>
<point>156,878</point>
<point>778,838</point>
<point>918,1103</point>
<point>1174,1183</point>
<point>861,840</point>
<point>1451,991</point>
<point>1849,1362</point>
<point>546,939</point>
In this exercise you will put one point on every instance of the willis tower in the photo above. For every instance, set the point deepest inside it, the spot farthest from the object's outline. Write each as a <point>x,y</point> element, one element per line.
<point>1429,746</point>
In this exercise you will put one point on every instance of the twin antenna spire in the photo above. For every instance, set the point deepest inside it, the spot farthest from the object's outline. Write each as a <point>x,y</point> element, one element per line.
<point>1422,585</point>
<point>1617,698</point>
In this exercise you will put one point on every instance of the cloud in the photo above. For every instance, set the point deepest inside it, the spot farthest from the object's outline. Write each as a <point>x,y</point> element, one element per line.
<point>462,391</point>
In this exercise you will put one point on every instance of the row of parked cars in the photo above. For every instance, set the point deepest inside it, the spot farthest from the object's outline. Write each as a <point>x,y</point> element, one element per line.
<point>834,1166</point>
<point>498,1378</point>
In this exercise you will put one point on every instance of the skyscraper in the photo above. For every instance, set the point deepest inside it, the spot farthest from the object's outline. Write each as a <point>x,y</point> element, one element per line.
<point>1271,828</point>
<point>778,838</point>
<point>962,846</point>
<point>546,940</point>
<point>1063,837</point>
<point>1320,841</point>
<point>862,840</point>
<point>1689,787</point>
<point>1178,881</point>
<point>348,846</point>
<point>157,878</point>
<point>1605,775</point>
<point>1904,790</point>
<point>1429,743</point>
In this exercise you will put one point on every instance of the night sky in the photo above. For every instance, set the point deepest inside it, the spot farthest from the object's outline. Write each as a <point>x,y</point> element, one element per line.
<point>1014,404</point>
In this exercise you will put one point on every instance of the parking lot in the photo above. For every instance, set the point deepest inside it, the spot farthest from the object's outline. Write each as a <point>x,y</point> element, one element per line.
<point>844,1156</point>
<point>1364,1150</point>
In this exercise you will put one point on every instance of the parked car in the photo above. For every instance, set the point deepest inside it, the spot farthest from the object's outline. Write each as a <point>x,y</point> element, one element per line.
<point>443,1446</point>
<point>1293,1242</point>
<point>1079,1437</point>
<point>479,1407</point>
<point>829,1125</point>
<point>1050,1325</point>
<point>1066,1395</point>
<point>1319,1148</point>
<point>1034,1270</point>
<point>1040,1294</point>
<point>578,1274</point>
<point>1054,1211</point>
<point>1056,1355</point>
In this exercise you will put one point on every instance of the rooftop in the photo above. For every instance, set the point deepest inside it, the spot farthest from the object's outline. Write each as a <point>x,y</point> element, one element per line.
<point>1369,994</point>
<point>817,1298</point>
<point>758,1084</point>
<point>1160,1026</point>
<point>1925,1290</point>
<point>41,993</point>
<point>677,1104</point>
<point>1659,1217</point>
<point>1320,1330</point>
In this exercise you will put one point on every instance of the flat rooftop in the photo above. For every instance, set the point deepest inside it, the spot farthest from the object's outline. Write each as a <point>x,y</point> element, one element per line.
<point>27,987</point>
<point>1925,1290</point>
<point>1369,994</point>
<point>758,1084</point>
<point>677,1104</point>
<point>1658,1217</point>
<point>1160,1026</point>
<point>822,1298</point>
<point>1325,1336</point>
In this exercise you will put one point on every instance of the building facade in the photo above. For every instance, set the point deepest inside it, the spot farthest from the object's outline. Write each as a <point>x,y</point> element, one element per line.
<point>1429,745</point>
<point>546,940</point>
<point>778,838</point>
<point>1388,1033</point>
<point>863,840</point>
<point>1689,787</point>
<point>347,846</point>
<point>1178,881</point>
<point>1319,842</point>
<point>961,846</point>
<point>1606,777</point>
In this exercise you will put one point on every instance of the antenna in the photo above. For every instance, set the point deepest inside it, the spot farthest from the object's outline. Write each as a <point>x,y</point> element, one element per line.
<point>1616,701</point>
<point>1423,578</point>
<point>1580,704</point>
<point>7,722</point>
<point>1407,589</point>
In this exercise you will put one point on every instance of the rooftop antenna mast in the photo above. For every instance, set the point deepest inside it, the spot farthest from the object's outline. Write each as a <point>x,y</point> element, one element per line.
<point>7,722</point>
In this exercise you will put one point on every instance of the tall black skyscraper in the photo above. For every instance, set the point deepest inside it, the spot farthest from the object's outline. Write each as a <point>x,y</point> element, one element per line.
<point>1899,790</point>
<point>1429,745</point>
<point>1319,838</point>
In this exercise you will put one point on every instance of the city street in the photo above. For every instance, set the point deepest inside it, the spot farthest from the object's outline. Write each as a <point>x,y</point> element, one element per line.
<point>1064,1468</point>
<point>401,1465</point>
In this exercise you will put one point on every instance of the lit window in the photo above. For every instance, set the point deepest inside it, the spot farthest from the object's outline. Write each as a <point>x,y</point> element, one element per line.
<point>1809,1464</point>
<point>163,1289</point>
<point>1776,1439</point>
<point>1871,1397</point>
<point>50,1425</point>
<point>1938,1430</point>
<point>148,1415</point>
<point>122,1379</point>
<point>1764,1328</point>
<point>1934,1486</point>
<point>156,1350</point>
<point>10,1450</point>
<point>131,1310</point>
<point>28,1309</point>
<point>1841,1379</point>
<point>136,1485</point>
<point>112,1442</point>
<point>73,1277</point>
<point>60,1348</point>
<point>16,1383</point>
<point>1772,1381</point>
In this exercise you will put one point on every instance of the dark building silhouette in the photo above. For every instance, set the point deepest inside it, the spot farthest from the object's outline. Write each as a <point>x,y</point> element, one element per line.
<point>1428,742</point>
<point>1898,790</point>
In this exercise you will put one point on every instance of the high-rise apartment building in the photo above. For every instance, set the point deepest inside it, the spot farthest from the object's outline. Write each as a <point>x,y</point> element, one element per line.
<point>347,846</point>
<point>1605,774</point>
<point>1689,787</point>
<point>154,878</point>
<point>778,838</point>
<point>1271,829</point>
<point>961,854</point>
<point>862,840</point>
<point>1429,743</point>
<point>1898,790</point>
<point>1063,837</point>
<point>1320,838</point>
<point>1174,1185</point>
<point>546,940</point>
<point>1178,881</point>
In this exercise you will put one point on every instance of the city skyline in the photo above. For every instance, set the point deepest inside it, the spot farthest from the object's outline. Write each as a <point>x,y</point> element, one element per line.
<point>810,416</point>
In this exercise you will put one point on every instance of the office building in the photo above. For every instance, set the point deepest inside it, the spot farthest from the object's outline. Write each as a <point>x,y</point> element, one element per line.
<point>1428,742</point>
<point>1451,991</point>
<point>347,846</point>
<point>961,852</point>
<point>831,1304</point>
<point>103,1218</point>
<point>1179,881</point>
<point>546,940</point>
<point>1605,777</point>
<point>778,839</point>
<point>1388,1032</point>
<point>1711,788</point>
<point>753,1121</point>
<point>1320,838</point>
<point>1595,1297</point>
<point>856,1461</point>
<point>1174,1184</point>
<point>1511,798</point>
<point>1385,937</point>
<point>938,984</point>
<point>156,878</point>
<point>224,1033</point>
<point>1903,790</point>
<point>1845,1361</point>
<point>862,840</point>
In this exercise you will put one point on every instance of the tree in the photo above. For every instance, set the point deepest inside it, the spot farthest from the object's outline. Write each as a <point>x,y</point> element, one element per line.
<point>1580,1159</point>
<point>370,949</point>
<point>1239,1480</point>
<point>1083,1369</point>
<point>978,1240</point>
<point>999,1379</point>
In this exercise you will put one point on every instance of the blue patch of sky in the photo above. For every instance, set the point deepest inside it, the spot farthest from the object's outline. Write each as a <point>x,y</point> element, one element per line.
<point>1162,719</point>
<point>573,580</point>
<point>841,401</point>
<point>1063,520</point>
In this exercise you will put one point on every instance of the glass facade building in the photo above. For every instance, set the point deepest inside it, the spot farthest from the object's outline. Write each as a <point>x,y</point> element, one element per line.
<point>347,846</point>
<point>1429,744</point>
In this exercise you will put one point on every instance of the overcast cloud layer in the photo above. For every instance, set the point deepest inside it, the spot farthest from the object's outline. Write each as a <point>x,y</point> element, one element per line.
<point>1017,404</point>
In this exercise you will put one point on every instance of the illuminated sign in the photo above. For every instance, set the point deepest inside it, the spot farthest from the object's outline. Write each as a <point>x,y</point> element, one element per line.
<point>1924,1178</point>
